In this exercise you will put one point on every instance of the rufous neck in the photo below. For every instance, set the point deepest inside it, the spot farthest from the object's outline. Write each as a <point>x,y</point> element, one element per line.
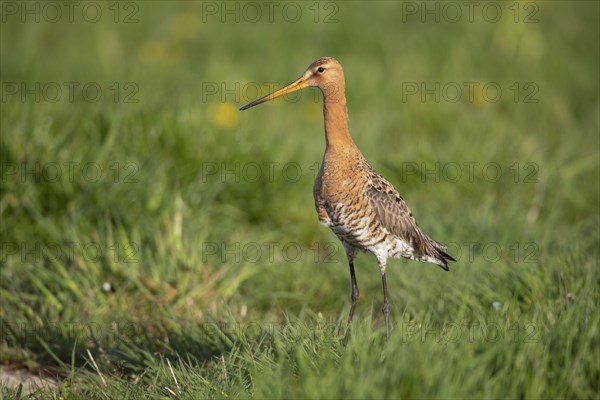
<point>335,113</point>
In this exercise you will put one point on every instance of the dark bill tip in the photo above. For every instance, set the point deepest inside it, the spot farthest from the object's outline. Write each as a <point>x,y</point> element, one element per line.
<point>252,104</point>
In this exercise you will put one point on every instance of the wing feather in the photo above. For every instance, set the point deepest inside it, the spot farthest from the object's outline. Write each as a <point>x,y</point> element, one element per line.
<point>396,217</point>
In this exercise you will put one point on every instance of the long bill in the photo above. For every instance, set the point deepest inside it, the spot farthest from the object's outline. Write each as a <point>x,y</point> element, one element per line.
<point>292,87</point>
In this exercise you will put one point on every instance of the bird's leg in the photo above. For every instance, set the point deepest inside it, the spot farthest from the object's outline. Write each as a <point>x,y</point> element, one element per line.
<point>355,291</point>
<point>351,253</point>
<point>386,305</point>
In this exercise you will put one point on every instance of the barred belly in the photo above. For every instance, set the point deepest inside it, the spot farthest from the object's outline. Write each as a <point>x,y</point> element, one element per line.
<point>366,233</point>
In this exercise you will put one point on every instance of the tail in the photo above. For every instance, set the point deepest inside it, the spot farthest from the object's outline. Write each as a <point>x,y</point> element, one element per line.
<point>436,254</point>
<point>442,258</point>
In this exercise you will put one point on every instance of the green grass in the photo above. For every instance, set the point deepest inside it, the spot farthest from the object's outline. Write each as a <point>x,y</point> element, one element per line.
<point>178,272</point>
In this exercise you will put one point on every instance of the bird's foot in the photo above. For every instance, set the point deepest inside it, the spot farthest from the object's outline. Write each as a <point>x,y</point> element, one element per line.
<point>386,313</point>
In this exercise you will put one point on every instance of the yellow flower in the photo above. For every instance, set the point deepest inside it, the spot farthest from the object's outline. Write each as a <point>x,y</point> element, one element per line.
<point>161,52</point>
<point>184,26</point>
<point>224,115</point>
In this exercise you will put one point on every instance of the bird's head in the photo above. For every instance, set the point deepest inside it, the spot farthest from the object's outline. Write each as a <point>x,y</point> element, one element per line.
<point>325,73</point>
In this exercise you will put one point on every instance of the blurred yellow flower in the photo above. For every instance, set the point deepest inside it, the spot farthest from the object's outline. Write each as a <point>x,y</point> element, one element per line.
<point>224,115</point>
<point>170,51</point>
<point>478,97</point>
<point>161,52</point>
<point>184,26</point>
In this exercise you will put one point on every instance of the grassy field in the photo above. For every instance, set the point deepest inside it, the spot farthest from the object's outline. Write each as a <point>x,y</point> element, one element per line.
<point>158,243</point>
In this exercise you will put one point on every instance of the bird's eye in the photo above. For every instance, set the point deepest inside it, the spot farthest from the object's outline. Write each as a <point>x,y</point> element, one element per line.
<point>321,69</point>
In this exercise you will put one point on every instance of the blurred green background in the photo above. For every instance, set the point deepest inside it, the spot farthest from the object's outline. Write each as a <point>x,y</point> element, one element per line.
<point>157,242</point>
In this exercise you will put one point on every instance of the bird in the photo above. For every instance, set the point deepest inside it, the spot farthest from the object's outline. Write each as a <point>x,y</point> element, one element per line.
<point>358,204</point>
